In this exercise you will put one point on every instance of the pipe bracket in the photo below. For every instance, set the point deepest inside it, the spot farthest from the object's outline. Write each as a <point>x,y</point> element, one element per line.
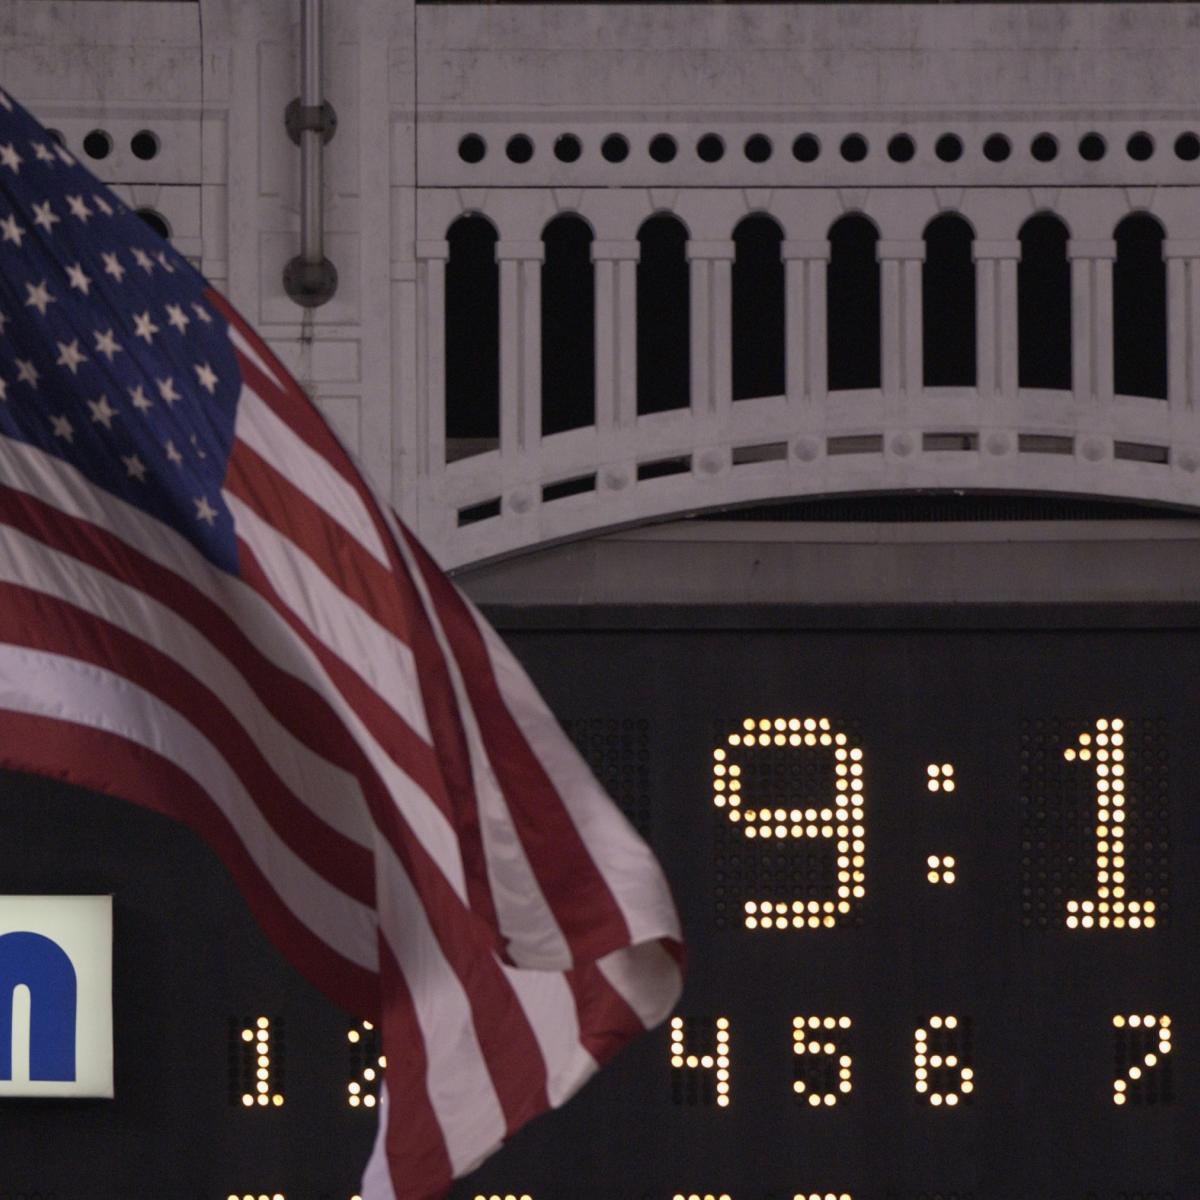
<point>297,118</point>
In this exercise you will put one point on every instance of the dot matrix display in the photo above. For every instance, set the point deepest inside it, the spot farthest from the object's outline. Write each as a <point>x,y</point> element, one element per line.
<point>1095,850</point>
<point>791,843</point>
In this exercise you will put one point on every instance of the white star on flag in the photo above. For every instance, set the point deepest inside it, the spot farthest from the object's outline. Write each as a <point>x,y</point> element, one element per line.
<point>12,231</point>
<point>166,389</point>
<point>106,343</point>
<point>43,152</point>
<point>79,208</point>
<point>134,467</point>
<point>3,388</point>
<point>202,313</point>
<point>165,262</point>
<point>173,454</point>
<point>63,428</point>
<point>112,265</point>
<point>207,377</point>
<point>142,259</point>
<point>43,215</point>
<point>39,297</point>
<point>177,317</point>
<point>102,411</point>
<point>103,205</point>
<point>79,279</point>
<point>27,372</point>
<point>204,510</point>
<point>146,328</point>
<point>139,399</point>
<point>70,356</point>
<point>10,158</point>
<point>63,155</point>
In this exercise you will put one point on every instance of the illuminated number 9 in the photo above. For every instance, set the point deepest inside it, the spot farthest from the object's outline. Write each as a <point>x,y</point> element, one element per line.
<point>839,819</point>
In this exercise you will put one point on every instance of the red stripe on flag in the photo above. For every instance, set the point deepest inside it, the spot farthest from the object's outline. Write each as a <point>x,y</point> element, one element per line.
<point>418,1160</point>
<point>105,762</point>
<point>606,1022</point>
<point>44,622</point>
<point>390,599</point>
<point>583,904</point>
<point>468,939</point>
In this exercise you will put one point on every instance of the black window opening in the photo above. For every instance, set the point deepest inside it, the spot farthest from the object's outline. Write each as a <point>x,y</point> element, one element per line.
<point>663,303</point>
<point>1140,309</point>
<point>472,339</point>
<point>852,305</point>
<point>1044,305</point>
<point>948,303</point>
<point>568,326</point>
<point>759,356</point>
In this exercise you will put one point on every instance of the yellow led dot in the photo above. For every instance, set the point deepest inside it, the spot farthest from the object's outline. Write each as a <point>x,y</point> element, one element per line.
<point>247,1100</point>
<point>352,1035</point>
<point>277,1101</point>
<point>967,1073</point>
<point>814,1100</point>
<point>262,1022</point>
<point>247,1035</point>
<point>936,1098</point>
<point>967,1086</point>
<point>1118,1097</point>
<point>1135,1072</point>
<point>262,1100</point>
<point>951,1022</point>
<point>952,1099</point>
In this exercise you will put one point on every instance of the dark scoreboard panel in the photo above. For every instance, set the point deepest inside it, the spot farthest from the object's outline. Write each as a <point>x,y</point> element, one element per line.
<point>939,889</point>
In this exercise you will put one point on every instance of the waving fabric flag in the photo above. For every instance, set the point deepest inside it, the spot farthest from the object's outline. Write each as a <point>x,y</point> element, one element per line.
<point>204,610</point>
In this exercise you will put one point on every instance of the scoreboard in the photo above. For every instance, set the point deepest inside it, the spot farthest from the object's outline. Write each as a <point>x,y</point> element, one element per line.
<point>939,892</point>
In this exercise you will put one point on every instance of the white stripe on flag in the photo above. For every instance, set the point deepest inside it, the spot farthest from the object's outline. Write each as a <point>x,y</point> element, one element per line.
<point>550,1006</point>
<point>65,689</point>
<point>331,793</point>
<point>526,920</point>
<point>458,1083</point>
<point>258,426</point>
<point>371,651</point>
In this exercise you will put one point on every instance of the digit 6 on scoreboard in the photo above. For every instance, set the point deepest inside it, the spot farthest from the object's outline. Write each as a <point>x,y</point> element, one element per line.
<point>837,817</point>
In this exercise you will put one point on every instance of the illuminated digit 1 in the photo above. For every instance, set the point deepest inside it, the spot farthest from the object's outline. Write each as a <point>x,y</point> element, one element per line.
<point>1106,748</point>
<point>810,1037</point>
<point>717,1062</point>
<point>1150,1059</point>
<point>843,821</point>
<point>924,1062</point>
<point>260,1035</point>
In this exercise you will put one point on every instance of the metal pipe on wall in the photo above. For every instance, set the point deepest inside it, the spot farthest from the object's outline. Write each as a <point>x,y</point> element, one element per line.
<point>310,279</point>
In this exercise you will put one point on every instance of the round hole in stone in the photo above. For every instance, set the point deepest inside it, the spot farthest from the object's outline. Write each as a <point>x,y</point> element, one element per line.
<point>567,147</point>
<point>806,148</point>
<point>758,148</point>
<point>997,148</point>
<point>1092,147</point>
<point>145,145</point>
<point>1044,147</point>
<point>1140,146</point>
<point>472,148</point>
<point>663,148</point>
<point>901,148</point>
<point>97,144</point>
<point>854,147</point>
<point>519,148</point>
<point>710,148</point>
<point>949,147</point>
<point>615,148</point>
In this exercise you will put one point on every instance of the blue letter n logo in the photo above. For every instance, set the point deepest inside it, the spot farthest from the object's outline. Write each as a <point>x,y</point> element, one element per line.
<point>37,963</point>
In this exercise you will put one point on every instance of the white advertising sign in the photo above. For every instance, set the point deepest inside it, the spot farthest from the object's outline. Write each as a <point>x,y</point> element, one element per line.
<point>56,1036</point>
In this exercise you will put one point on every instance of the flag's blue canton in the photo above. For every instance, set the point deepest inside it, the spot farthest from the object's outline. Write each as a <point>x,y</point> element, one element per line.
<point>110,357</point>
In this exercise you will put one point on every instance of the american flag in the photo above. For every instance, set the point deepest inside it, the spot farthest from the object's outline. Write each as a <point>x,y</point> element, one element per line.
<point>204,610</point>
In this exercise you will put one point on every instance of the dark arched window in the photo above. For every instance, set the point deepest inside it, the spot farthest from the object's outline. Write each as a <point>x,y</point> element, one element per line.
<point>852,305</point>
<point>568,326</point>
<point>759,358</point>
<point>948,303</point>
<point>1044,305</point>
<point>663,300</point>
<point>1140,309</point>
<point>472,338</point>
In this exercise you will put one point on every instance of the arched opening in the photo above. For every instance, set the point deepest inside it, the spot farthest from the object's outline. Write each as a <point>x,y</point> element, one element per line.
<point>663,301</point>
<point>1140,309</point>
<point>472,338</point>
<point>759,357</point>
<point>1044,305</point>
<point>948,303</point>
<point>852,305</point>
<point>568,326</point>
